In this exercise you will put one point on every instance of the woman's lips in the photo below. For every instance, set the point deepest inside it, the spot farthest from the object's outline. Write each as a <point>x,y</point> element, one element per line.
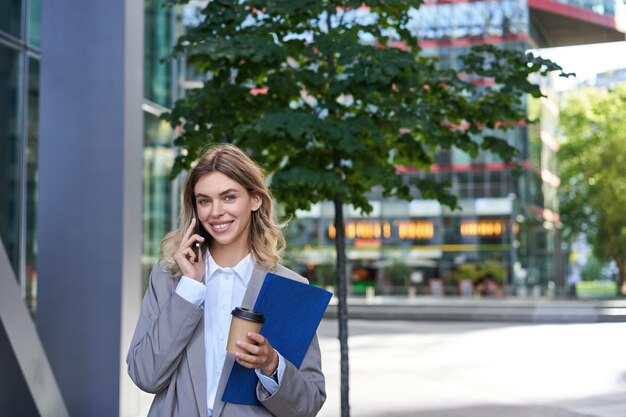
<point>221,226</point>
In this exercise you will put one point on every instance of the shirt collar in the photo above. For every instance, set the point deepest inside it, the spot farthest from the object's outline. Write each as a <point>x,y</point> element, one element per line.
<point>243,269</point>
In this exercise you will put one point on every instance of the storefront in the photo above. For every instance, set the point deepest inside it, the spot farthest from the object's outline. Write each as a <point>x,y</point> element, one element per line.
<point>424,245</point>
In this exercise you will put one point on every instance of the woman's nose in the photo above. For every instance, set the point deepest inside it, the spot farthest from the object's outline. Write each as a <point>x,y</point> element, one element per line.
<point>216,209</point>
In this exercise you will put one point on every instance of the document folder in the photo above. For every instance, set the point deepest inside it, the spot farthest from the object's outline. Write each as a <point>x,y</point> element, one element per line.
<point>293,311</point>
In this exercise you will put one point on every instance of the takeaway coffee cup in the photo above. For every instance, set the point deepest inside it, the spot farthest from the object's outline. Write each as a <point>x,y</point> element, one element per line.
<point>244,321</point>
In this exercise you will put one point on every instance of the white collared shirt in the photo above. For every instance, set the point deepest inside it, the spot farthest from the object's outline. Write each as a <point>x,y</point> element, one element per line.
<point>222,291</point>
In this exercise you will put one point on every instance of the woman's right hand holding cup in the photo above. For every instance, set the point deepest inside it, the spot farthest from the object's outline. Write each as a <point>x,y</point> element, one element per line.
<point>189,262</point>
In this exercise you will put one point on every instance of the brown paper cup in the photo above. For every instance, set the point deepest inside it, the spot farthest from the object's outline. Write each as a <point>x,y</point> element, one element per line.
<point>243,322</point>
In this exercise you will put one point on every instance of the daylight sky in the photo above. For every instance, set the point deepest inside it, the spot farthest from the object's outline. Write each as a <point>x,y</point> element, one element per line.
<point>586,60</point>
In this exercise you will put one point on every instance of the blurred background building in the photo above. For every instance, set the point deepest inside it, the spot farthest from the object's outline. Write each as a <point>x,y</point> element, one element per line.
<point>610,78</point>
<point>509,214</point>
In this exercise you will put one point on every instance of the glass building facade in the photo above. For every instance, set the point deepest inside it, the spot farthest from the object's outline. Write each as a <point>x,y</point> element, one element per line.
<point>161,89</point>
<point>19,99</point>
<point>19,106</point>
<point>164,82</point>
<point>602,7</point>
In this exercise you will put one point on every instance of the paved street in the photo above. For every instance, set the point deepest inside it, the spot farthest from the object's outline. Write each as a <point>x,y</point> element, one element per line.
<point>447,369</point>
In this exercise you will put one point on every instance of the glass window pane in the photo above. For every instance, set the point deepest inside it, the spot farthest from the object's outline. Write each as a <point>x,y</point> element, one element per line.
<point>32,151</point>
<point>159,192</point>
<point>158,39</point>
<point>11,17</point>
<point>34,20</point>
<point>10,144</point>
<point>460,158</point>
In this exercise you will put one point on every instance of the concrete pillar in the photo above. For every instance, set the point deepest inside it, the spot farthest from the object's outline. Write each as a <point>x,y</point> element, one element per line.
<point>89,213</point>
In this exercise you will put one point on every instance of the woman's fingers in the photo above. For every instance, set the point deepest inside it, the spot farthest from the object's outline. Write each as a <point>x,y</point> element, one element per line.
<point>189,230</point>
<point>188,256</point>
<point>192,240</point>
<point>260,352</point>
<point>258,338</point>
<point>188,265</point>
<point>252,349</point>
<point>184,255</point>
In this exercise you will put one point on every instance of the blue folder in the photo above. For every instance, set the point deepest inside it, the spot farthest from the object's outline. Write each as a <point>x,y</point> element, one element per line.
<point>293,311</point>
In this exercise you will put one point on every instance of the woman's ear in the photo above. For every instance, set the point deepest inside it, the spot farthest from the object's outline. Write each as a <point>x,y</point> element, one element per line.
<point>256,202</point>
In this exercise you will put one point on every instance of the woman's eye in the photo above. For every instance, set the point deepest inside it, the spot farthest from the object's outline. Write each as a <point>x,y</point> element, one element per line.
<point>203,202</point>
<point>229,197</point>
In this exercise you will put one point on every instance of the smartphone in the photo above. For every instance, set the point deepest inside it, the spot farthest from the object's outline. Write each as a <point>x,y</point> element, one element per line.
<point>198,250</point>
<point>198,246</point>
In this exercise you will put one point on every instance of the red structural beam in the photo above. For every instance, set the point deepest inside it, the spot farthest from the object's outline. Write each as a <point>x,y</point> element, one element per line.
<point>545,175</point>
<point>574,12</point>
<point>438,2</point>
<point>438,43</point>
<point>488,166</point>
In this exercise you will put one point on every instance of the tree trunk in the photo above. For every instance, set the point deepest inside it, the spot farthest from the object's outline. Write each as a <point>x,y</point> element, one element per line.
<point>340,247</point>
<point>342,295</point>
<point>621,284</point>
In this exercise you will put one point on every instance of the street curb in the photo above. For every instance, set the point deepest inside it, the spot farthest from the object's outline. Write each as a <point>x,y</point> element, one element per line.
<point>514,311</point>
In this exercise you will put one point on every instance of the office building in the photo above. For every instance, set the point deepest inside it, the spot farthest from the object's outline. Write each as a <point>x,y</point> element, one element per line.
<point>509,213</point>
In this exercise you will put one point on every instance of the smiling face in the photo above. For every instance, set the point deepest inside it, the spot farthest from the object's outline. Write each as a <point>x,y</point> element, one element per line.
<point>225,210</point>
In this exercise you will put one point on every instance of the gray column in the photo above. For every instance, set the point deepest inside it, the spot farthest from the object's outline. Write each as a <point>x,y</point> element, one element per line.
<point>89,214</point>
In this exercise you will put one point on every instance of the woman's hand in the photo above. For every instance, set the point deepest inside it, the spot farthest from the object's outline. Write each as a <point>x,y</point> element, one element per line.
<point>186,256</point>
<point>261,355</point>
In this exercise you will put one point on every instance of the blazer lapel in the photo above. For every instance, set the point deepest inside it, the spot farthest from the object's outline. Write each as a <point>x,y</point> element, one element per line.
<point>218,405</point>
<point>249,298</point>
<point>254,286</point>
<point>197,367</point>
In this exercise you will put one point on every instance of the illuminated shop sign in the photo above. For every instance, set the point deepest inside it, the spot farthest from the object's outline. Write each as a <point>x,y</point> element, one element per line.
<point>363,230</point>
<point>406,230</point>
<point>482,228</point>
<point>416,230</point>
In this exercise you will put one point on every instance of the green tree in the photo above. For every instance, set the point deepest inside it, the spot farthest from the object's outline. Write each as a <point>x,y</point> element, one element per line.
<point>593,172</point>
<point>470,272</point>
<point>494,269</point>
<point>399,273</point>
<point>331,97</point>
<point>593,270</point>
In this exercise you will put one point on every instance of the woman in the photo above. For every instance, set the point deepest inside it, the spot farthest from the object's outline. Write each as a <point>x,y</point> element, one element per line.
<point>215,261</point>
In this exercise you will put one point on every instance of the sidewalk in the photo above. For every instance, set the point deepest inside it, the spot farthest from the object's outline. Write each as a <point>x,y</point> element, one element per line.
<point>471,369</point>
<point>521,310</point>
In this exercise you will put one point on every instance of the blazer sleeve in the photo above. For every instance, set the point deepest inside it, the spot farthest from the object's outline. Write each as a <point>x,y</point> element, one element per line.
<point>166,323</point>
<point>301,392</point>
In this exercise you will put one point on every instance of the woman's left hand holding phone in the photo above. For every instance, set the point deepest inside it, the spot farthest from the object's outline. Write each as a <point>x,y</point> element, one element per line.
<point>189,261</point>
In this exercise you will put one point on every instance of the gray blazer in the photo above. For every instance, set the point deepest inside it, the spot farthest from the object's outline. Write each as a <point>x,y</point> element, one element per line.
<point>166,358</point>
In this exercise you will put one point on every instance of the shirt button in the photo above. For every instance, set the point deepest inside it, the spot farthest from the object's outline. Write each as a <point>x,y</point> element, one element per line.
<point>223,307</point>
<point>218,373</point>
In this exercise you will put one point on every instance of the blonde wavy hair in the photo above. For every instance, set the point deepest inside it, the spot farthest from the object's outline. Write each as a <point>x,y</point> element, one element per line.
<point>266,238</point>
